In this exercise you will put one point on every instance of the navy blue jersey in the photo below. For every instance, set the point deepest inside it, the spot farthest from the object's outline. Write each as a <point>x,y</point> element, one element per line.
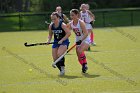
<point>59,33</point>
<point>61,17</point>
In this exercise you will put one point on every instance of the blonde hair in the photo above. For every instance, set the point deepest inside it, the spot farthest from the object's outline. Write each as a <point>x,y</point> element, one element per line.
<point>87,5</point>
<point>82,5</point>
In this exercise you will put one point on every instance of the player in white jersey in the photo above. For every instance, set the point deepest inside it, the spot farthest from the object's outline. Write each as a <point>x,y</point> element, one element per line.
<point>92,16</point>
<point>82,38</point>
<point>88,17</point>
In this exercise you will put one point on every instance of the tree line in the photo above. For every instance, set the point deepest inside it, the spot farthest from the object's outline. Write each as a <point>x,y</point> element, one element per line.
<point>10,6</point>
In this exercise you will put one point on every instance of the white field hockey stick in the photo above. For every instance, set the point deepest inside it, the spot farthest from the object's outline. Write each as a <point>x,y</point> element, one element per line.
<point>56,61</point>
<point>46,22</point>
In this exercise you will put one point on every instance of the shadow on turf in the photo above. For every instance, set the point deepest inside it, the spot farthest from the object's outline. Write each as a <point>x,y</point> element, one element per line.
<point>90,76</point>
<point>69,77</point>
<point>85,75</point>
<point>93,51</point>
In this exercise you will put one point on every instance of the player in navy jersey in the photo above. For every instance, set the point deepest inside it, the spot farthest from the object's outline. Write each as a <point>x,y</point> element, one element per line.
<point>62,16</point>
<point>61,34</point>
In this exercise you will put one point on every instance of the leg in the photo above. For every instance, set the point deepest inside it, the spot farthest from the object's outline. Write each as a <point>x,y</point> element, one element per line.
<point>89,32</point>
<point>81,56</point>
<point>83,47</point>
<point>78,55</point>
<point>62,49</point>
<point>89,29</point>
<point>55,56</point>
<point>54,53</point>
<point>92,36</point>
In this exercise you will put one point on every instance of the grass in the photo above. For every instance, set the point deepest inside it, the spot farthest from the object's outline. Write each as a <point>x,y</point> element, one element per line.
<point>114,60</point>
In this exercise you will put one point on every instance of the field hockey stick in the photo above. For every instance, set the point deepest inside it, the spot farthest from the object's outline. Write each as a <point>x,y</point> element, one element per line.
<point>46,22</point>
<point>35,44</point>
<point>56,61</point>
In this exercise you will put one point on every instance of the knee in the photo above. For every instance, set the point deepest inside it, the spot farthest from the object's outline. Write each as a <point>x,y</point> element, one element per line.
<point>79,51</point>
<point>58,54</point>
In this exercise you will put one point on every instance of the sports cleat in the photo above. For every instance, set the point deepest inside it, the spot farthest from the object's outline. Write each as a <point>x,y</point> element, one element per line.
<point>84,68</point>
<point>93,44</point>
<point>89,49</point>
<point>62,72</point>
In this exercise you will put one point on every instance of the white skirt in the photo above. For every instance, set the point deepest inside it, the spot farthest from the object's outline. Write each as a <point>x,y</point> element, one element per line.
<point>88,26</point>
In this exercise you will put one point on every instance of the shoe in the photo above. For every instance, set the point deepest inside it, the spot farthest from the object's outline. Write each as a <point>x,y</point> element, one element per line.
<point>93,44</point>
<point>84,68</point>
<point>89,49</point>
<point>62,72</point>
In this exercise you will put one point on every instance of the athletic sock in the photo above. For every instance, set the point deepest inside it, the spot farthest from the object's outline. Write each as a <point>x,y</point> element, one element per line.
<point>80,61</point>
<point>62,66</point>
<point>91,37</point>
<point>62,62</point>
<point>82,58</point>
<point>58,65</point>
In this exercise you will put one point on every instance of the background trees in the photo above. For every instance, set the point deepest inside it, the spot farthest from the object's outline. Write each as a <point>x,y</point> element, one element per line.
<point>8,6</point>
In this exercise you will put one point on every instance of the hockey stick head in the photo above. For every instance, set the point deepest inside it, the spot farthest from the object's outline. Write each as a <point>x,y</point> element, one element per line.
<point>28,45</point>
<point>54,65</point>
<point>25,44</point>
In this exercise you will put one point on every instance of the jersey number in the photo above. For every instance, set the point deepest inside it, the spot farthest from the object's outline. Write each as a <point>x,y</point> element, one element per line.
<point>57,36</point>
<point>76,31</point>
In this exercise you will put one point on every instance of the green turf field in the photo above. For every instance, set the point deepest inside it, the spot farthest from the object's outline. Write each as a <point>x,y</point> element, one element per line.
<point>114,65</point>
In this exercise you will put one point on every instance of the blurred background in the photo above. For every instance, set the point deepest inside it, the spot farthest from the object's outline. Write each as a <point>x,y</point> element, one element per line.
<point>19,15</point>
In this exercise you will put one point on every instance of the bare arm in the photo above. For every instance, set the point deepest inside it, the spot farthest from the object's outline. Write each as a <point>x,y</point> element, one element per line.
<point>85,32</point>
<point>91,15</point>
<point>50,33</point>
<point>66,18</point>
<point>68,26</point>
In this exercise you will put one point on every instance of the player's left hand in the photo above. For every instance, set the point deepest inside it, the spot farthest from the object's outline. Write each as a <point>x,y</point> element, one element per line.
<point>48,43</point>
<point>78,42</point>
<point>60,42</point>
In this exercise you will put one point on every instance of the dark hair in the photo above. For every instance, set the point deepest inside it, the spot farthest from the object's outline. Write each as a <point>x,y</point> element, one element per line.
<point>75,11</point>
<point>56,14</point>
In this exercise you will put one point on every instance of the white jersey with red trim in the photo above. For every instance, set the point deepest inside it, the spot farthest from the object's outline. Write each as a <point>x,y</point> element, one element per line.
<point>78,31</point>
<point>85,17</point>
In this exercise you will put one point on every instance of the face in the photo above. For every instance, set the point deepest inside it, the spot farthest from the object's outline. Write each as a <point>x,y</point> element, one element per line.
<point>54,18</point>
<point>87,6</point>
<point>73,16</point>
<point>83,7</point>
<point>58,9</point>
